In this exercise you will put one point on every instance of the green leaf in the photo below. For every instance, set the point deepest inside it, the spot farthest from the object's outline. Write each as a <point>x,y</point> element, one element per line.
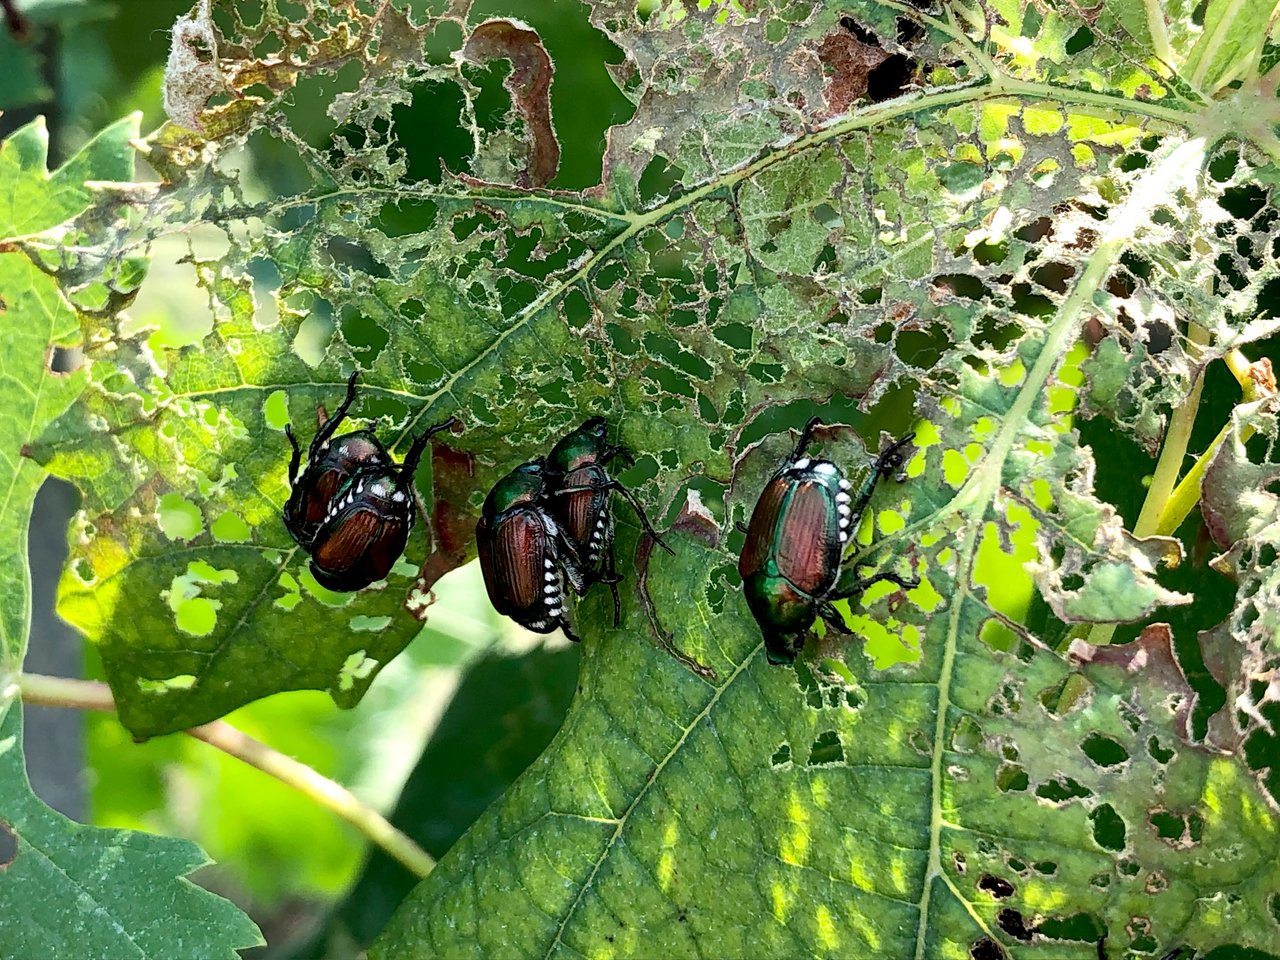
<point>69,889</point>
<point>37,318</point>
<point>1234,32</point>
<point>504,714</point>
<point>1019,239</point>
<point>72,890</point>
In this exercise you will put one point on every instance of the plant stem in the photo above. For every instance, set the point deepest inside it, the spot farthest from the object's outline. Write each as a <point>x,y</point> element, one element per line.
<point>1187,493</point>
<point>1175,449</point>
<point>1163,482</point>
<point>91,695</point>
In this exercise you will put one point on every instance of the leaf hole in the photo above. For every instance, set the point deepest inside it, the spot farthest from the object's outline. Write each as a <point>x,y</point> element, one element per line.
<point>1013,923</point>
<point>782,756</point>
<point>1159,753</point>
<point>1082,39</point>
<point>986,949</point>
<point>1108,827</point>
<point>8,846</point>
<point>1011,778</point>
<point>65,359</point>
<point>1053,276</point>
<point>888,79</point>
<point>1169,826</point>
<point>1062,790</point>
<point>659,179</point>
<point>1083,927</point>
<point>1104,751</point>
<point>1036,231</point>
<point>826,749</point>
<point>83,570</point>
<point>961,285</point>
<point>998,887</point>
<point>1029,303</point>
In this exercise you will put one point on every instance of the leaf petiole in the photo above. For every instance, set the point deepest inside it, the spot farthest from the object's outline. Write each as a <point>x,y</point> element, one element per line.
<point>92,695</point>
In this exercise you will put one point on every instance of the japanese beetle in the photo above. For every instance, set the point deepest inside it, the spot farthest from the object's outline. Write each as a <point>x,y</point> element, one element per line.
<point>367,522</point>
<point>524,556</point>
<point>579,502</point>
<point>330,464</point>
<point>790,562</point>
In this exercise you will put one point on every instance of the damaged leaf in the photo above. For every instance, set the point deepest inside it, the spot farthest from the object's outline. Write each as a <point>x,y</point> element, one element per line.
<point>1026,243</point>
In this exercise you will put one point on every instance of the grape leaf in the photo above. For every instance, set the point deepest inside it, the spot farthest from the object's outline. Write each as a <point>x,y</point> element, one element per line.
<point>37,320</point>
<point>1019,227</point>
<point>72,890</point>
<point>65,888</point>
<point>504,714</point>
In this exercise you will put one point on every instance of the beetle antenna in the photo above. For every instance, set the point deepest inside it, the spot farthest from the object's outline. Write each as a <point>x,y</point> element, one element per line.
<point>410,465</point>
<point>806,437</point>
<point>331,424</point>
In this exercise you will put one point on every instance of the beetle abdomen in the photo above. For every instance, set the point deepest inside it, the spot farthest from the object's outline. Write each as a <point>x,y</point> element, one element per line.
<point>578,512</point>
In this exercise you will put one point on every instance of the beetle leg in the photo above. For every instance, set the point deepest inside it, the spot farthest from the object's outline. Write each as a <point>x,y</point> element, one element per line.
<point>861,585</point>
<point>884,465</point>
<point>563,552</point>
<point>617,450</point>
<point>806,437</point>
<point>326,429</point>
<point>831,617</point>
<point>635,505</point>
<point>568,630</point>
<point>295,460</point>
<point>410,465</point>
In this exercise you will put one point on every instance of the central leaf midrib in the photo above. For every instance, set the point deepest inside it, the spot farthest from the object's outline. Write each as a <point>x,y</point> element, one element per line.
<point>979,492</point>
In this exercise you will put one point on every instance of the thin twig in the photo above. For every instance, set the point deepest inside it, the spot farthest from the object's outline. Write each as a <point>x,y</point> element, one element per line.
<point>92,695</point>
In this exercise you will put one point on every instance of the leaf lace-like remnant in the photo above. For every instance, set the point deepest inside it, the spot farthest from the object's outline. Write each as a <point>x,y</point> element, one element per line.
<point>1008,231</point>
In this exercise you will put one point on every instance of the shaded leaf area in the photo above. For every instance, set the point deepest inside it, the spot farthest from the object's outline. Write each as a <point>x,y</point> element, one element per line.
<point>1208,254</point>
<point>1243,652</point>
<point>976,259</point>
<point>504,714</point>
<point>72,890</point>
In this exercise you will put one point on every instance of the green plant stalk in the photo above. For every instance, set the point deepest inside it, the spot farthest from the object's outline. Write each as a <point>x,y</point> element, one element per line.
<point>92,695</point>
<point>1164,481</point>
<point>1167,504</point>
<point>1165,478</point>
<point>1187,494</point>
